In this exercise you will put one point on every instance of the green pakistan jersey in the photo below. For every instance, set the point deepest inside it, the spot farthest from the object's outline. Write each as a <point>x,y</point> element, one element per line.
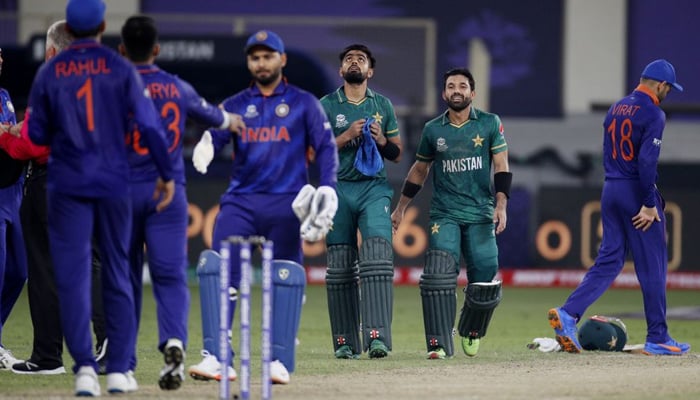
<point>341,113</point>
<point>461,157</point>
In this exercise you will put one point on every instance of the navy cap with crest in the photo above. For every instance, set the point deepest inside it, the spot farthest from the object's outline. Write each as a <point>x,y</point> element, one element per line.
<point>85,15</point>
<point>662,71</point>
<point>267,39</point>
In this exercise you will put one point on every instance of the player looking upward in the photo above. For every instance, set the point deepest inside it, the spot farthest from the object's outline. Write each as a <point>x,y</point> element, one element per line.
<point>364,122</point>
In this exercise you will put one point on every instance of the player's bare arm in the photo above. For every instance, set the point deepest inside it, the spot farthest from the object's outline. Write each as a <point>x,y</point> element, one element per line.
<point>645,217</point>
<point>500,164</point>
<point>354,131</point>
<point>414,181</point>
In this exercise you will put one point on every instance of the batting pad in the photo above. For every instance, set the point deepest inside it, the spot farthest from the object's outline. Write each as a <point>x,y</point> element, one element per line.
<point>288,283</point>
<point>480,300</point>
<point>342,288</point>
<point>438,295</point>
<point>208,268</point>
<point>376,290</point>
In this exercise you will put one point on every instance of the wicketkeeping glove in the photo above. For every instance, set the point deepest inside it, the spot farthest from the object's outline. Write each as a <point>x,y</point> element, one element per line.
<point>320,219</point>
<point>203,153</point>
<point>302,203</point>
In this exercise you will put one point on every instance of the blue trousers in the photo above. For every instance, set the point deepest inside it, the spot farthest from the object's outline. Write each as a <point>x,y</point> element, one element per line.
<point>13,257</point>
<point>620,202</point>
<point>164,235</point>
<point>72,220</point>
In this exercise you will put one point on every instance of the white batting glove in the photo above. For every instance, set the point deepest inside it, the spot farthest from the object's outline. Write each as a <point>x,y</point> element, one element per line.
<point>203,153</point>
<point>302,203</point>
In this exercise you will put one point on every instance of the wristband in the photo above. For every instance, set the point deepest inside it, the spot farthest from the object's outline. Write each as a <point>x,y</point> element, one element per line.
<point>390,151</point>
<point>502,181</point>
<point>410,189</point>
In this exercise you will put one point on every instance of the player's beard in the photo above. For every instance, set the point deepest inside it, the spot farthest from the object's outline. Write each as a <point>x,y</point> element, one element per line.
<point>267,80</point>
<point>354,77</point>
<point>458,105</point>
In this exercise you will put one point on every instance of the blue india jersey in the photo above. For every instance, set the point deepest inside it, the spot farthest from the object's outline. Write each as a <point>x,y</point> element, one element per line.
<point>175,100</point>
<point>82,102</point>
<point>632,134</point>
<point>269,157</point>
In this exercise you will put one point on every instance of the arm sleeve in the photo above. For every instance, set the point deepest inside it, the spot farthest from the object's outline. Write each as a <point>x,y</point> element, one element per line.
<point>199,109</point>
<point>649,151</point>
<point>322,140</point>
<point>145,116</point>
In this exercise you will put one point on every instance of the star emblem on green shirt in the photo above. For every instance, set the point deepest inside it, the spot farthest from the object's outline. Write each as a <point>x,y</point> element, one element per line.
<point>435,229</point>
<point>377,117</point>
<point>478,141</point>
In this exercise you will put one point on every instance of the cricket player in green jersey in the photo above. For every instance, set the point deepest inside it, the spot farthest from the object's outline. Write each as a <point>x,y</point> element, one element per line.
<point>366,132</point>
<point>465,215</point>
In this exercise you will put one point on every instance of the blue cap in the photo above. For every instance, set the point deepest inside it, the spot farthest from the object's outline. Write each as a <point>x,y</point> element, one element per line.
<point>662,71</point>
<point>268,39</point>
<point>85,15</point>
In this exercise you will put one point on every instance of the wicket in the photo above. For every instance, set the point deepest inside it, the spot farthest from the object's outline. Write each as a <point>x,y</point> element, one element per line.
<point>244,291</point>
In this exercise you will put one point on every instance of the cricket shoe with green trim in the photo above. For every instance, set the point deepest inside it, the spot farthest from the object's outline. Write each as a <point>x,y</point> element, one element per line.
<point>437,353</point>
<point>377,349</point>
<point>345,352</point>
<point>470,345</point>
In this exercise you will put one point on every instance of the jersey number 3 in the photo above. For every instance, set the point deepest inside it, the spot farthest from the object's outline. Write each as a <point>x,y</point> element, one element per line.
<point>169,109</point>
<point>621,139</point>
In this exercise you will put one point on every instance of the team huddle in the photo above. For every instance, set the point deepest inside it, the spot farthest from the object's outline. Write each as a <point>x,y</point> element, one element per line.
<point>115,194</point>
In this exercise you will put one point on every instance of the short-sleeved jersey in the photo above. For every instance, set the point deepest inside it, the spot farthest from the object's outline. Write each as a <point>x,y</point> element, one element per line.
<point>461,169</point>
<point>270,156</point>
<point>175,100</point>
<point>81,102</point>
<point>341,113</point>
<point>632,133</point>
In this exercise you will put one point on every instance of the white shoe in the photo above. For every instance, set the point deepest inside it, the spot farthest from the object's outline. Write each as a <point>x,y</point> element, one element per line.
<point>173,373</point>
<point>7,360</point>
<point>279,373</point>
<point>86,383</point>
<point>210,368</point>
<point>121,382</point>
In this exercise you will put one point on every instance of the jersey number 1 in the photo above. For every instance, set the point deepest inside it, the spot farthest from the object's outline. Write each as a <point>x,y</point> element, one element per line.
<point>85,91</point>
<point>621,138</point>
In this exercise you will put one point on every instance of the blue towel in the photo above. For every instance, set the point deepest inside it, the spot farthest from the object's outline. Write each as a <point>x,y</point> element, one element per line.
<point>368,160</point>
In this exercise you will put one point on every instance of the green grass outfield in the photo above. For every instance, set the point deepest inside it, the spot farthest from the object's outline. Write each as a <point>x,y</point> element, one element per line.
<point>520,318</point>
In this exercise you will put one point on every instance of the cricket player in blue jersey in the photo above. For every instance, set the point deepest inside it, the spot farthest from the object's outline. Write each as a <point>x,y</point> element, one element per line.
<point>13,259</point>
<point>81,104</point>
<point>164,233</point>
<point>268,177</point>
<point>632,211</point>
